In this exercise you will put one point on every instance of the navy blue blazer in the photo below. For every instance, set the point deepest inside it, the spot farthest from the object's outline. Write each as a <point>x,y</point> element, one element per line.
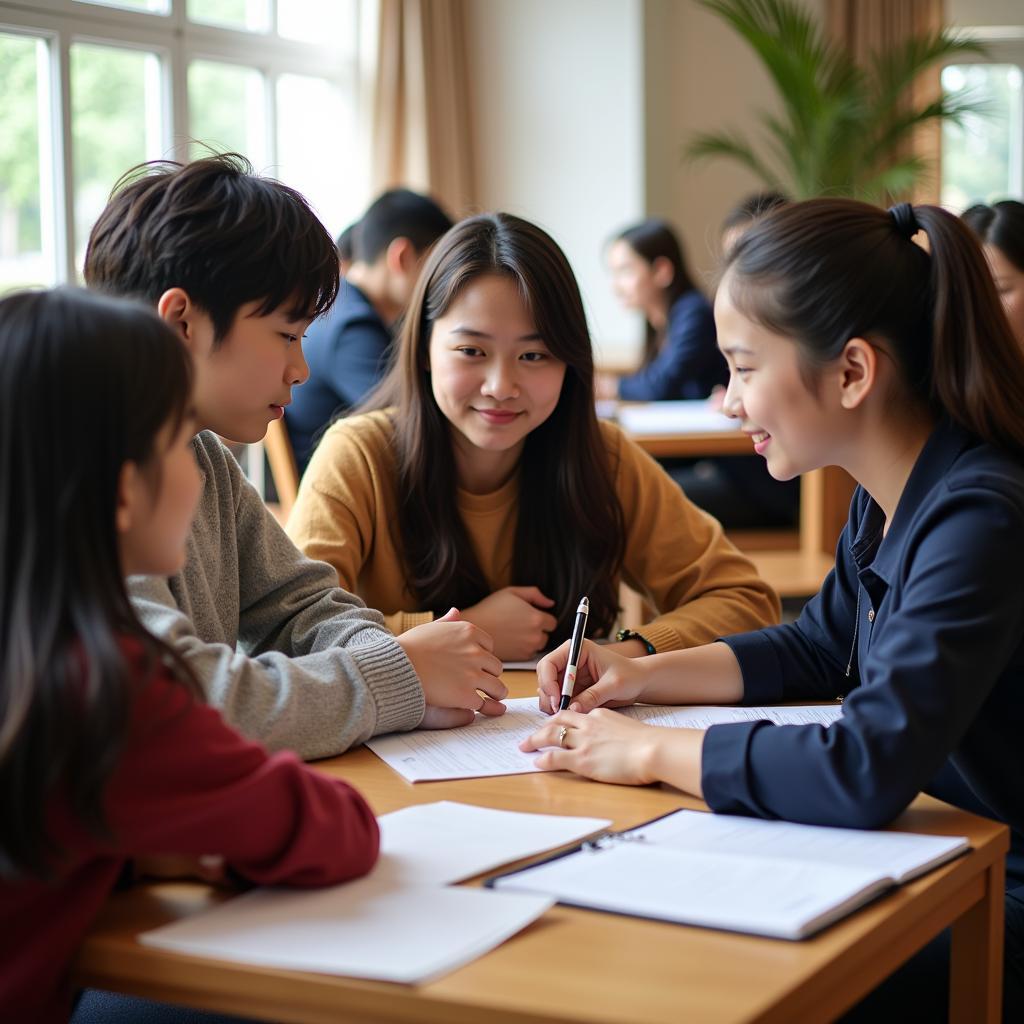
<point>347,351</point>
<point>922,630</point>
<point>688,365</point>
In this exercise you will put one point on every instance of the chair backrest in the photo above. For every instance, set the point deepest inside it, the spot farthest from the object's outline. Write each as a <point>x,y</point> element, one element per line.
<point>283,467</point>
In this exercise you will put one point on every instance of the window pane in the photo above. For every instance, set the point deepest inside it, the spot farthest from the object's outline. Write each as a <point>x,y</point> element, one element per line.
<point>316,147</point>
<point>116,122</point>
<point>325,22</point>
<point>153,6</point>
<point>981,161</point>
<point>26,255</point>
<point>249,15</point>
<point>226,110</point>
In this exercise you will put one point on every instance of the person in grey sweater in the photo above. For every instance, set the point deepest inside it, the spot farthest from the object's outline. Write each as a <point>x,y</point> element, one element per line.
<point>240,266</point>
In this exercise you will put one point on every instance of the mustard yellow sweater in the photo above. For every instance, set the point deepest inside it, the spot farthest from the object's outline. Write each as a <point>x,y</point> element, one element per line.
<point>676,555</point>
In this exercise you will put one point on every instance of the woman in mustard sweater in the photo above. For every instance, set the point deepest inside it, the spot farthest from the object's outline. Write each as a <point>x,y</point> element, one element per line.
<point>481,479</point>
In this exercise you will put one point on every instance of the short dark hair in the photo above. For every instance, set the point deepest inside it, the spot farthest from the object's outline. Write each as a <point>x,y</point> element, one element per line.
<point>399,213</point>
<point>749,208</point>
<point>220,232</point>
<point>1001,225</point>
<point>346,240</point>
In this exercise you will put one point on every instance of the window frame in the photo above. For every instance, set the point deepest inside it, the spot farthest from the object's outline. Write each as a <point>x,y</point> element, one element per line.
<point>1004,45</point>
<point>176,41</point>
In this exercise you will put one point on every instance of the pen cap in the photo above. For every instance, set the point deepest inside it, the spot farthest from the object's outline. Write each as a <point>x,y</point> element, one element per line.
<point>584,608</point>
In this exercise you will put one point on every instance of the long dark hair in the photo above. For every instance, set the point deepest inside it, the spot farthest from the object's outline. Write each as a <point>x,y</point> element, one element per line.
<point>827,270</point>
<point>1001,225</point>
<point>570,532</point>
<point>654,239</point>
<point>86,384</point>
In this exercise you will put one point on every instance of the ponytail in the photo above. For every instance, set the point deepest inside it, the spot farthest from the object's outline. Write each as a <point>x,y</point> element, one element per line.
<point>977,367</point>
<point>827,270</point>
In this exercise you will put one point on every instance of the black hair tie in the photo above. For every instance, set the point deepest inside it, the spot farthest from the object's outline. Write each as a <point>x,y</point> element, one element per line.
<point>903,217</point>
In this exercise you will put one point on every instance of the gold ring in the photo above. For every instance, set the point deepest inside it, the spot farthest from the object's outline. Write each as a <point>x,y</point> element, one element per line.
<point>483,701</point>
<point>562,733</point>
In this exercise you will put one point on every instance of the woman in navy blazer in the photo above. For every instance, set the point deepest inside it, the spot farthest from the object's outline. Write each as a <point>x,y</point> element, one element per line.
<point>848,344</point>
<point>681,357</point>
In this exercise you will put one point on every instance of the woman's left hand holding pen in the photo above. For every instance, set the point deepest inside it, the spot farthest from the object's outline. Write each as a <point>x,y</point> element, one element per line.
<point>603,678</point>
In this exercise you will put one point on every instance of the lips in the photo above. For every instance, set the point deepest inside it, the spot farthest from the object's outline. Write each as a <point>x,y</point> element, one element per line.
<point>498,416</point>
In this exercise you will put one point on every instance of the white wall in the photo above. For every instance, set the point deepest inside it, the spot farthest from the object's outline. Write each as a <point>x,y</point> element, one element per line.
<point>581,111</point>
<point>558,118</point>
<point>985,12</point>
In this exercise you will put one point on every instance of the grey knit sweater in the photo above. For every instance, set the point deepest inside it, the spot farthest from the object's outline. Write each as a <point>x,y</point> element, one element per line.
<point>291,659</point>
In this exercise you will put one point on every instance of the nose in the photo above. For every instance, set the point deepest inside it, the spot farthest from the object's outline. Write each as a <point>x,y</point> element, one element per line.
<point>732,404</point>
<point>501,381</point>
<point>297,370</point>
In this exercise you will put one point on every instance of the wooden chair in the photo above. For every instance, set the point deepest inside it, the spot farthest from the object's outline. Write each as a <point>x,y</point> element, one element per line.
<point>283,467</point>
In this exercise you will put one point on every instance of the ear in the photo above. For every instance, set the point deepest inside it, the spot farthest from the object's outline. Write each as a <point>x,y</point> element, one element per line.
<point>662,271</point>
<point>857,372</point>
<point>401,256</point>
<point>189,322</point>
<point>127,498</point>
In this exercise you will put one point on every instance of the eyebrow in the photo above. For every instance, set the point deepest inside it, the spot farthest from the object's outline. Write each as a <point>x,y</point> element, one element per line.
<point>733,350</point>
<point>469,332</point>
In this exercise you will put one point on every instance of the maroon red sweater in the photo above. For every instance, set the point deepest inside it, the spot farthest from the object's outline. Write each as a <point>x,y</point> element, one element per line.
<point>186,784</point>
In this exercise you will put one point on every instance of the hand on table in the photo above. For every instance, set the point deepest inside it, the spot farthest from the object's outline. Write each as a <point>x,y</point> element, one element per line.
<point>601,745</point>
<point>458,671</point>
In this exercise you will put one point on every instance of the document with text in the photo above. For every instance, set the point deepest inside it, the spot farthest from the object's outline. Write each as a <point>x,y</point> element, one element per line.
<point>490,746</point>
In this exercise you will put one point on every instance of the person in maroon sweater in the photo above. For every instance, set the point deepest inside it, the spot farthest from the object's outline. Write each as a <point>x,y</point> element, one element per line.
<point>106,751</point>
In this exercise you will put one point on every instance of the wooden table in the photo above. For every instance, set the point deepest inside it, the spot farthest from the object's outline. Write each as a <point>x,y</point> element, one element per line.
<point>582,966</point>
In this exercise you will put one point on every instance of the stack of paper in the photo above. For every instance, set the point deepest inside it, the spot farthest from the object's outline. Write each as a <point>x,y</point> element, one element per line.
<point>401,923</point>
<point>685,417</point>
<point>770,878</point>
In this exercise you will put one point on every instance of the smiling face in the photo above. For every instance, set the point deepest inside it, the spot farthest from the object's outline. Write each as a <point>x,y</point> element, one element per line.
<point>792,427</point>
<point>493,378</point>
<point>246,381</point>
<point>1009,281</point>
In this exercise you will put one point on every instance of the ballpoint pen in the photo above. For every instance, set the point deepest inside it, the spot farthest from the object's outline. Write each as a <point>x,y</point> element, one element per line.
<point>579,627</point>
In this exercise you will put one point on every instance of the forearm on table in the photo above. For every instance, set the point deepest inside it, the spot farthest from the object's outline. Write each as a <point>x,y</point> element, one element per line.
<point>709,674</point>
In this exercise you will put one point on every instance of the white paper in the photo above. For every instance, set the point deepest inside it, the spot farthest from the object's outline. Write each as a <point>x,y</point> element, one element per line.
<point>520,666</point>
<point>718,890</point>
<point>444,842</point>
<point>490,746</point>
<point>698,717</point>
<point>684,417</point>
<point>361,929</point>
<point>767,877</point>
<point>899,855</point>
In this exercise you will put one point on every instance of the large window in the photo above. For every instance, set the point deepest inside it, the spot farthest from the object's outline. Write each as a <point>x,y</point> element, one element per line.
<point>92,88</point>
<point>983,159</point>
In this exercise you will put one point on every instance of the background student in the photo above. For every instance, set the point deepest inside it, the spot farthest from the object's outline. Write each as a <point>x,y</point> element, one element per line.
<point>850,345</point>
<point>238,265</point>
<point>744,213</point>
<point>1001,230</point>
<point>348,348</point>
<point>681,360</point>
<point>483,479</point>
<point>107,751</point>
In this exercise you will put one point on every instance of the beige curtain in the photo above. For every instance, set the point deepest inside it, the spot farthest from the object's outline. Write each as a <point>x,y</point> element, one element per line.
<point>421,118</point>
<point>867,25</point>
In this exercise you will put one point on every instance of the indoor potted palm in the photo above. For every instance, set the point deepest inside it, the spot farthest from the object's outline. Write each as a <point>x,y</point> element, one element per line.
<point>844,129</point>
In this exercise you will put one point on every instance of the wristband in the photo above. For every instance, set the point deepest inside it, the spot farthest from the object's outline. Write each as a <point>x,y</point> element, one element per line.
<point>632,634</point>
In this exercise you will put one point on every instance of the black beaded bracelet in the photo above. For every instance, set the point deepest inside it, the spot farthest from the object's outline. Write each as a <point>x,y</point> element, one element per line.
<point>632,634</point>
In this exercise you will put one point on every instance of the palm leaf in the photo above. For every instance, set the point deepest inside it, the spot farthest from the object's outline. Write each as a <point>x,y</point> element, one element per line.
<point>842,127</point>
